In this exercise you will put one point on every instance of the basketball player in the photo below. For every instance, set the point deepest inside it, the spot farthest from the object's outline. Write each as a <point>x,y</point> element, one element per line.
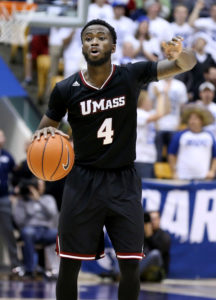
<point>103,187</point>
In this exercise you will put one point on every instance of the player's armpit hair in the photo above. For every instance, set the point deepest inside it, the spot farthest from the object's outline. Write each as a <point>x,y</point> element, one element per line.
<point>103,23</point>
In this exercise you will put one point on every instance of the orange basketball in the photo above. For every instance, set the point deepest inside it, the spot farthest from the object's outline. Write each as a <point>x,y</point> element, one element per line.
<point>50,159</point>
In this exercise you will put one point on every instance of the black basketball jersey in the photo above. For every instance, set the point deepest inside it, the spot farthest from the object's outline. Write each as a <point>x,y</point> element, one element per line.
<point>103,120</point>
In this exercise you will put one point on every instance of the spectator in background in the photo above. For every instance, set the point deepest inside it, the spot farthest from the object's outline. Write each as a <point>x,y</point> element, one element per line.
<point>207,24</point>
<point>34,213</point>
<point>210,75</point>
<point>157,242</point>
<point>180,26</point>
<point>158,27</point>
<point>100,10</point>
<point>188,3</point>
<point>192,152</point>
<point>195,77</point>
<point>123,25</point>
<point>21,171</point>
<point>191,4</point>
<point>7,165</point>
<point>38,44</point>
<point>169,124</point>
<point>128,53</point>
<point>56,46</point>
<point>142,5</point>
<point>72,55</point>
<point>207,93</point>
<point>146,153</point>
<point>145,46</point>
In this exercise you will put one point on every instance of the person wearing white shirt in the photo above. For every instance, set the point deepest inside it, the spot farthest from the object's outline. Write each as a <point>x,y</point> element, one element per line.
<point>146,47</point>
<point>192,152</point>
<point>158,27</point>
<point>72,55</point>
<point>208,24</point>
<point>128,54</point>
<point>123,25</point>
<point>100,10</point>
<point>207,92</point>
<point>180,26</point>
<point>56,45</point>
<point>146,153</point>
<point>177,94</point>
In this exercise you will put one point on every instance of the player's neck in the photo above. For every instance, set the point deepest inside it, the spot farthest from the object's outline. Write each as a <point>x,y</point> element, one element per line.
<point>98,75</point>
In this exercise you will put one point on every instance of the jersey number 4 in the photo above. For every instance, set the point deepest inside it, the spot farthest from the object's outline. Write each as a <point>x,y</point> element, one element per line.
<point>106,132</point>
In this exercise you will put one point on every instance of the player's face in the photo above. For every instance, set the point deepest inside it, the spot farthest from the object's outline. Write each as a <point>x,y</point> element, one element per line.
<point>97,45</point>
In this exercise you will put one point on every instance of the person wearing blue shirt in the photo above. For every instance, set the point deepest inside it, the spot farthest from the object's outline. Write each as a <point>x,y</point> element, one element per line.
<point>192,152</point>
<point>7,165</point>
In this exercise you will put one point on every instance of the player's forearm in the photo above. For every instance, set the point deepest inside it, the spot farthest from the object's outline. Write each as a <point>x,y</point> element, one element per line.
<point>186,60</point>
<point>46,122</point>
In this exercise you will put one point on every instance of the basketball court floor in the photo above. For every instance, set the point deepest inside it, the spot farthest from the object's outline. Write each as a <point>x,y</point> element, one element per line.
<point>102,290</point>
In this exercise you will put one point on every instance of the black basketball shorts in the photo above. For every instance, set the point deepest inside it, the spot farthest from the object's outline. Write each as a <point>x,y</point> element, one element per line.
<point>95,198</point>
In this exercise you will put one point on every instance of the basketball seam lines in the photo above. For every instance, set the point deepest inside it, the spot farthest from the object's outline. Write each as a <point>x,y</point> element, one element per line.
<point>59,159</point>
<point>43,157</point>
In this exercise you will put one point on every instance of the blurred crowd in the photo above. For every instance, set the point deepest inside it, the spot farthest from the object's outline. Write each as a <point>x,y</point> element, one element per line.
<point>176,117</point>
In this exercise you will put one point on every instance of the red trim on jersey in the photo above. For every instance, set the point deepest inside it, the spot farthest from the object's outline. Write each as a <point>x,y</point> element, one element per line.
<point>129,255</point>
<point>105,82</point>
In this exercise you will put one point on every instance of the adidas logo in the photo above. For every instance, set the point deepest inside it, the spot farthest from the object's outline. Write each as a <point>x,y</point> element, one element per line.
<point>76,83</point>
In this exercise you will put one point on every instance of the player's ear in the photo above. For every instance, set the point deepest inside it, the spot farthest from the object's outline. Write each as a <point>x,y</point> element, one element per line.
<point>113,48</point>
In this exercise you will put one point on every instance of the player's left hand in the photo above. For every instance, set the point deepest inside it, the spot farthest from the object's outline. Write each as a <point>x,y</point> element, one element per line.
<point>173,48</point>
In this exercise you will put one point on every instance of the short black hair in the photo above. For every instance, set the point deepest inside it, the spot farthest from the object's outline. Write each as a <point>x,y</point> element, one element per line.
<point>103,23</point>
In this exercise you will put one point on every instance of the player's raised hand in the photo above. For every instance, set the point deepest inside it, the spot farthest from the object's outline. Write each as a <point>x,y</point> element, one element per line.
<point>48,130</point>
<point>173,48</point>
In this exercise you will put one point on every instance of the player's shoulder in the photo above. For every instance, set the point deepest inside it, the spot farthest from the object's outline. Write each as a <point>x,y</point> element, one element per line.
<point>68,82</point>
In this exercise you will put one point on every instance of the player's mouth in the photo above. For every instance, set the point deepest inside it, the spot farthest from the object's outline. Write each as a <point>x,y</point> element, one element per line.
<point>94,52</point>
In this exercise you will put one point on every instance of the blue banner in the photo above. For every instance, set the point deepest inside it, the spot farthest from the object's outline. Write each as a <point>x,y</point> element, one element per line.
<point>188,213</point>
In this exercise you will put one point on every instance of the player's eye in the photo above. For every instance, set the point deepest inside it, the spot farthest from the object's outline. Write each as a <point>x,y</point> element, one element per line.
<point>88,39</point>
<point>102,38</point>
